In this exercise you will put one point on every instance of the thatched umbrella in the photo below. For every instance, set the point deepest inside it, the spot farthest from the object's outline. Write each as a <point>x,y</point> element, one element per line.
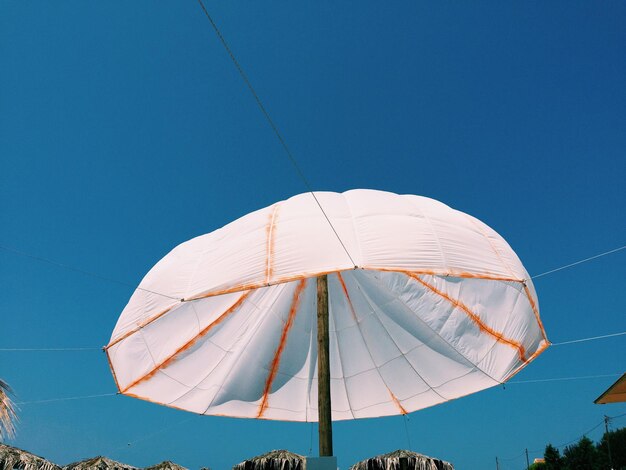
<point>99,463</point>
<point>166,465</point>
<point>402,460</point>
<point>12,458</point>
<point>274,460</point>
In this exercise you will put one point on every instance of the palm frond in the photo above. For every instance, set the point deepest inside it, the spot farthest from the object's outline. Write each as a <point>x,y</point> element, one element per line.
<point>8,417</point>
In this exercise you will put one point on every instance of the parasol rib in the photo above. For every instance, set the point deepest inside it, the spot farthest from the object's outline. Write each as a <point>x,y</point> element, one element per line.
<point>295,303</point>
<point>394,399</point>
<point>476,319</point>
<point>189,343</point>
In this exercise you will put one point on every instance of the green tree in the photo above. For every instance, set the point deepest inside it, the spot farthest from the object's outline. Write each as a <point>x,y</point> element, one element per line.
<point>554,461</point>
<point>617,440</point>
<point>582,455</point>
<point>7,412</point>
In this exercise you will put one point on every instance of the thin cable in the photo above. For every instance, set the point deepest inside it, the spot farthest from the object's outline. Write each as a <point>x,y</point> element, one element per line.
<point>579,262</point>
<point>572,441</point>
<point>150,436</point>
<point>512,458</point>
<point>270,121</point>
<point>560,379</point>
<point>48,349</point>
<point>50,400</point>
<point>81,271</point>
<point>593,338</point>
<point>582,435</point>
<point>579,437</point>
<point>406,428</point>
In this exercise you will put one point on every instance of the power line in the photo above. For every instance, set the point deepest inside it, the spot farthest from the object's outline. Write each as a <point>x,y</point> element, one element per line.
<point>560,379</point>
<point>150,436</point>
<point>512,458</point>
<point>79,270</point>
<point>51,400</point>
<point>406,428</point>
<point>538,451</point>
<point>593,338</point>
<point>579,262</point>
<point>581,436</point>
<point>47,349</point>
<point>270,121</point>
<point>127,284</point>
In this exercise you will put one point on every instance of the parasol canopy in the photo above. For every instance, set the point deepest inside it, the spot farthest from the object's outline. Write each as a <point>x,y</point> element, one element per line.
<point>426,304</point>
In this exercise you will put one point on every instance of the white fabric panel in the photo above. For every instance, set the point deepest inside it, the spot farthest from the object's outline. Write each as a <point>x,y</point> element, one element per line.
<point>424,320</point>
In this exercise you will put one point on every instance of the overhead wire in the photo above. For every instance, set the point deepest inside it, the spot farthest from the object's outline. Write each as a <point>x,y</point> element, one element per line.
<point>406,428</point>
<point>581,436</point>
<point>578,262</point>
<point>592,338</point>
<point>560,379</point>
<point>272,124</point>
<point>586,433</point>
<point>81,271</point>
<point>51,400</point>
<point>127,284</point>
<point>50,349</point>
<point>405,417</point>
<point>47,349</point>
<point>154,434</point>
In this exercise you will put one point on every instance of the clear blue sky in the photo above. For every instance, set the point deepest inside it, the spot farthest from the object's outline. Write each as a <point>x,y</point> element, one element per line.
<point>125,130</point>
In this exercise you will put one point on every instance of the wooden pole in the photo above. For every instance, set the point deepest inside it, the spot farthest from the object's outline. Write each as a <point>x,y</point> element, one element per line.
<point>527,461</point>
<point>323,370</point>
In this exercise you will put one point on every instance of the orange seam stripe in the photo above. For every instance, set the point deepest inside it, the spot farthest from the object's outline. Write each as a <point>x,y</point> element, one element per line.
<point>345,291</point>
<point>533,305</point>
<point>259,284</point>
<point>432,272</point>
<point>545,346</point>
<point>397,402</point>
<point>166,362</point>
<point>132,395</point>
<point>270,245</point>
<point>281,346</point>
<point>476,319</point>
<point>296,277</point>
<point>112,370</point>
<point>139,327</point>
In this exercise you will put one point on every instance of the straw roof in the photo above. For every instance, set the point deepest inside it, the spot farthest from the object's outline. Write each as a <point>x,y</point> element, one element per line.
<point>13,458</point>
<point>616,393</point>
<point>166,465</point>
<point>402,460</point>
<point>98,463</point>
<point>274,460</point>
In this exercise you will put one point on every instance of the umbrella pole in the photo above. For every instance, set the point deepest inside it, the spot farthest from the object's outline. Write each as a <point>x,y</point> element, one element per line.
<point>323,371</point>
